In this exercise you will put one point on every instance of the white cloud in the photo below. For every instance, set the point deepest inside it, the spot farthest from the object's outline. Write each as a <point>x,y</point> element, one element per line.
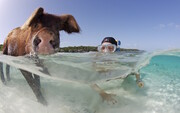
<point>168,25</point>
<point>171,24</point>
<point>177,26</point>
<point>161,26</point>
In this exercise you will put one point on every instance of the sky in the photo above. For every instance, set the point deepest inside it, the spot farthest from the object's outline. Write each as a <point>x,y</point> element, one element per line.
<point>140,24</point>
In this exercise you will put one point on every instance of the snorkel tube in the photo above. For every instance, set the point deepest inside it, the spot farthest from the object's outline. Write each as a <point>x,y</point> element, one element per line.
<point>118,45</point>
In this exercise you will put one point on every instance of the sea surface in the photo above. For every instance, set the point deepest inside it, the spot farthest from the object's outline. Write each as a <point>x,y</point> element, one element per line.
<point>66,79</point>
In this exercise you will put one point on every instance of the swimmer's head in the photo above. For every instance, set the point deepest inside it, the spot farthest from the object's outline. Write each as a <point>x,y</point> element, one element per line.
<point>109,40</point>
<point>108,45</point>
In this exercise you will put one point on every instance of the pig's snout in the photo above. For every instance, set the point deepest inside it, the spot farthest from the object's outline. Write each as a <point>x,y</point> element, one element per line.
<point>45,43</point>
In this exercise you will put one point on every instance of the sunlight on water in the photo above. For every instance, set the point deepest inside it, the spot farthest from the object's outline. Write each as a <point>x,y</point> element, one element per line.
<point>67,87</point>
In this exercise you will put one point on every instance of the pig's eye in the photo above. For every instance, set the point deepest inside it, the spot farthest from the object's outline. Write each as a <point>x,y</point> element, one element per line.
<point>35,26</point>
<point>51,33</point>
<point>36,41</point>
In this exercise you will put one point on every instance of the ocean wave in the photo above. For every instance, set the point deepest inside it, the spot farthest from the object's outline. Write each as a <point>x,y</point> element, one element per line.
<point>86,67</point>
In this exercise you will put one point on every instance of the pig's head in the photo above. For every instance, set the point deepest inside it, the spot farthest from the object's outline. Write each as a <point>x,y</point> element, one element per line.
<point>43,28</point>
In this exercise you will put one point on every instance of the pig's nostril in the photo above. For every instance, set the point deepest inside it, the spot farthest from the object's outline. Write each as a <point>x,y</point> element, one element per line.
<point>36,41</point>
<point>53,43</point>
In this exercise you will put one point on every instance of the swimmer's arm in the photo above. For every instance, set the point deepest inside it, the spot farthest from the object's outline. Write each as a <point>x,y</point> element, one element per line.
<point>97,88</point>
<point>138,79</point>
<point>105,96</point>
<point>137,76</point>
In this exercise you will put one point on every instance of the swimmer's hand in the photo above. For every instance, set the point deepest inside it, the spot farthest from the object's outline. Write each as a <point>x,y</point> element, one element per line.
<point>140,83</point>
<point>108,97</point>
<point>138,80</point>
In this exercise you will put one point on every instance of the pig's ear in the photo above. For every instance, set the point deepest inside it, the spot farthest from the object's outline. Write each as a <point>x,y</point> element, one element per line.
<point>68,24</point>
<point>33,18</point>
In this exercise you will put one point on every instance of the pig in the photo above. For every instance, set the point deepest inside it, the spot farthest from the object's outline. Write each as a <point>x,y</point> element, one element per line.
<point>38,35</point>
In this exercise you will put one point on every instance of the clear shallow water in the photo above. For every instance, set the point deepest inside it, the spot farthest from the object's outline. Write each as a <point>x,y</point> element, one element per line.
<point>67,90</point>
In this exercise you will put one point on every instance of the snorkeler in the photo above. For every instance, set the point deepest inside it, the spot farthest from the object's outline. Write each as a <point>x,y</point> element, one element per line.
<point>109,45</point>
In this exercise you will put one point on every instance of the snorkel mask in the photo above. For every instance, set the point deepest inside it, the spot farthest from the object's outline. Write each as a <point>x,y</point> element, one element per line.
<point>108,45</point>
<point>107,48</point>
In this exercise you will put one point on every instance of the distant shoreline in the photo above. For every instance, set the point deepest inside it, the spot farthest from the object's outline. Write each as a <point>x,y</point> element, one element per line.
<point>81,49</point>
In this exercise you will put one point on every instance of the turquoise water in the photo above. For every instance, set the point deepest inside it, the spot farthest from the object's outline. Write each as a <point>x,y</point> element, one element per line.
<point>162,76</point>
<point>68,89</point>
